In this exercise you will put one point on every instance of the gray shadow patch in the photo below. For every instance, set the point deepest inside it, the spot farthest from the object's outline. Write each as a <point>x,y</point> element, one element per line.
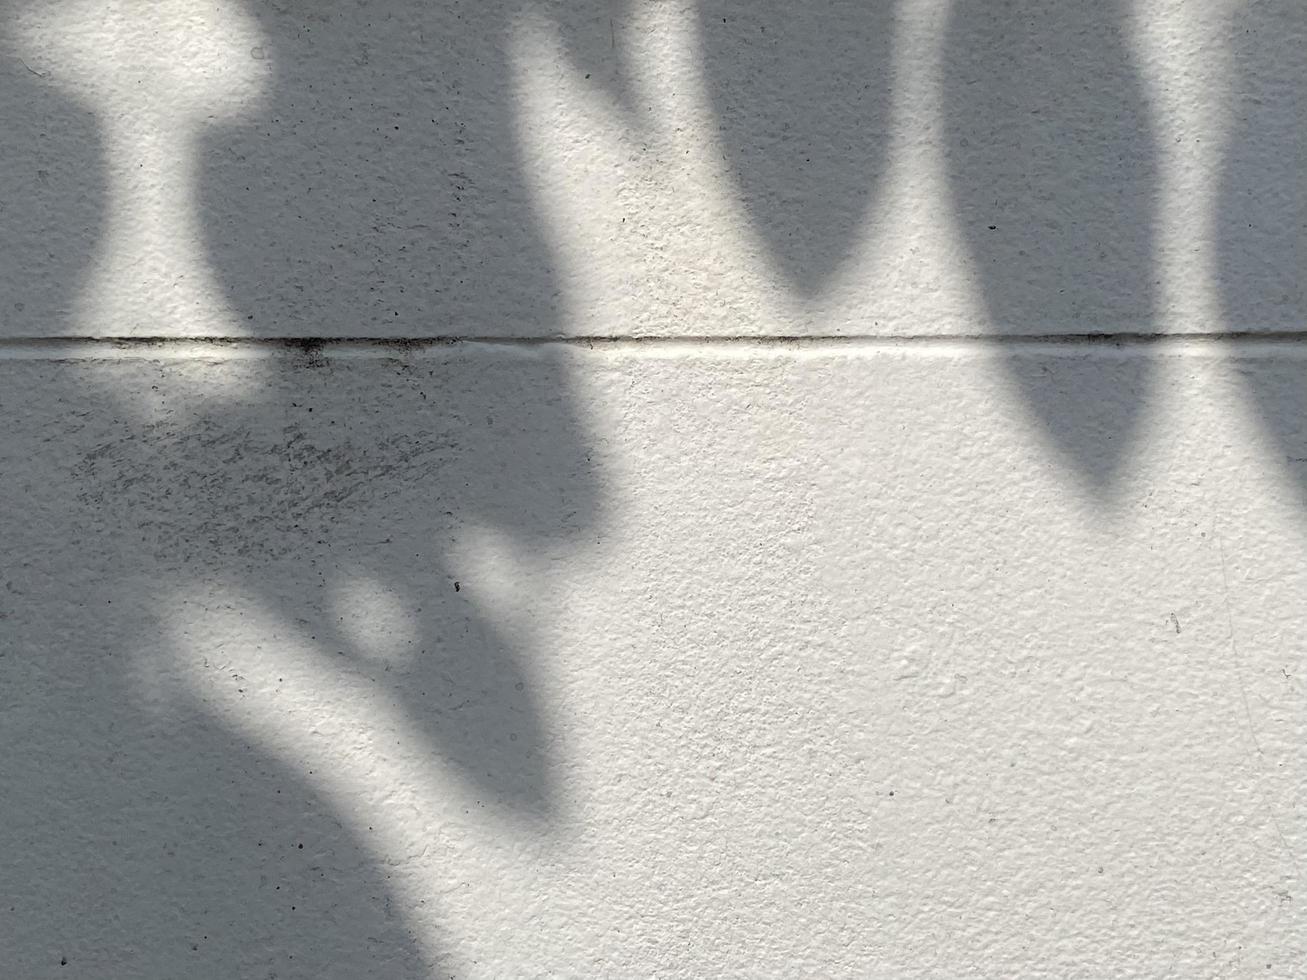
<point>801,95</point>
<point>1052,168</point>
<point>379,191</point>
<point>52,195</point>
<point>1262,216</point>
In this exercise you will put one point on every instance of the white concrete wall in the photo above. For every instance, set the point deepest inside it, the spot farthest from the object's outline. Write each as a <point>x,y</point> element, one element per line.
<point>652,489</point>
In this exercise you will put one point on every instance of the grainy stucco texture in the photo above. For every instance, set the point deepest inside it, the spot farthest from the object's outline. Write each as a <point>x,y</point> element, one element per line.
<point>626,489</point>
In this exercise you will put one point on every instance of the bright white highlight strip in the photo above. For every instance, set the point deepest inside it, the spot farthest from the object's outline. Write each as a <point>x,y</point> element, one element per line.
<point>294,702</point>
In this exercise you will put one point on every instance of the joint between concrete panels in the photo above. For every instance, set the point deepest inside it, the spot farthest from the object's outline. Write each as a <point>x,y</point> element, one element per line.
<point>1281,343</point>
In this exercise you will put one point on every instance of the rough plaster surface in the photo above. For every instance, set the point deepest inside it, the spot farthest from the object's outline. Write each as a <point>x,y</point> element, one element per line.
<point>925,646</point>
<point>400,168</point>
<point>661,663</point>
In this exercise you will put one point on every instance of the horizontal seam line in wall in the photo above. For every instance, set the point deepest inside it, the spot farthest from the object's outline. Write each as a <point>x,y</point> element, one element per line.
<point>65,347</point>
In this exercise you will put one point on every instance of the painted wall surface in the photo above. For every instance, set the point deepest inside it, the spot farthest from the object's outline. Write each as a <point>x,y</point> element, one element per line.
<point>639,488</point>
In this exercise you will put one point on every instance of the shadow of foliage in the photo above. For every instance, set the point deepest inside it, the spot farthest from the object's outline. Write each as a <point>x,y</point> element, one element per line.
<point>801,96</point>
<point>1262,213</point>
<point>379,193</point>
<point>1053,170</point>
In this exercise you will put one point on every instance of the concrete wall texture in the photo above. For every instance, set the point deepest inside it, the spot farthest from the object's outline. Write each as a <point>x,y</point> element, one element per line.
<point>623,488</point>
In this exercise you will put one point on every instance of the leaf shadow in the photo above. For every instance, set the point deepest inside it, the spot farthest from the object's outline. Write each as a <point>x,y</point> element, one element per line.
<point>134,479</point>
<point>1052,165</point>
<point>54,194</point>
<point>1261,220</point>
<point>801,98</point>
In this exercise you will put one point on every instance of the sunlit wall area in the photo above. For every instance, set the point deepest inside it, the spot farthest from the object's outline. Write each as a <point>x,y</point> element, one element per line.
<point>652,489</point>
